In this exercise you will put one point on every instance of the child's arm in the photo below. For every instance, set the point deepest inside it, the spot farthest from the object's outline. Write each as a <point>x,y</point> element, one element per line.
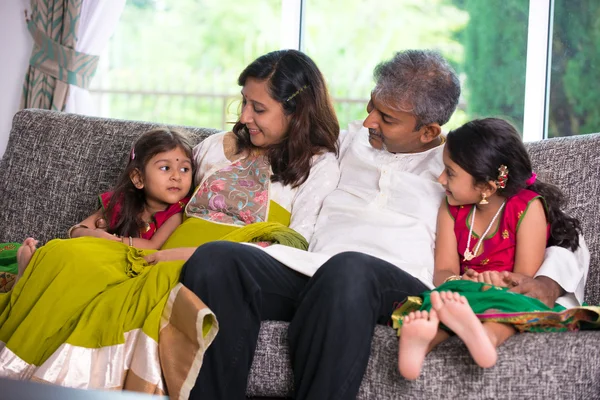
<point>447,262</point>
<point>531,240</point>
<point>87,227</point>
<point>160,236</point>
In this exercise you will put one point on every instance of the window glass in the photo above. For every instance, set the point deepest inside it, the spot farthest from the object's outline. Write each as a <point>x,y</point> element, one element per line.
<point>574,103</point>
<point>177,61</point>
<point>485,41</point>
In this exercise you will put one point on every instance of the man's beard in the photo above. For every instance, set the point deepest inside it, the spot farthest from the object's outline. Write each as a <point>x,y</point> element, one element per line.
<point>373,132</point>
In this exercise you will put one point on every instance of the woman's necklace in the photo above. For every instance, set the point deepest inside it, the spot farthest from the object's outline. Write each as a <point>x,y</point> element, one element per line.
<point>468,255</point>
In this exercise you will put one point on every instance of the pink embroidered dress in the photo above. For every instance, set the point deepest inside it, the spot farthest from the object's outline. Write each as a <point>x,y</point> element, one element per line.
<point>497,252</point>
<point>152,226</point>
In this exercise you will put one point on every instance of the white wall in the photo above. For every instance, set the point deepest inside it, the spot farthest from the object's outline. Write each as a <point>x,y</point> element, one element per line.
<point>15,49</point>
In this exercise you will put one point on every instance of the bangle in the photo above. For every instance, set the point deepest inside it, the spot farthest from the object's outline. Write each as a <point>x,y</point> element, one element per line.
<point>453,278</point>
<point>71,229</point>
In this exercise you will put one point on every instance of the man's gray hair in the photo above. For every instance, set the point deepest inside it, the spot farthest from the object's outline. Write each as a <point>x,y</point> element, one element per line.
<point>420,82</point>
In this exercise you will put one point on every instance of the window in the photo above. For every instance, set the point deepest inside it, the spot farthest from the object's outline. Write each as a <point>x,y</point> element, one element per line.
<point>177,61</point>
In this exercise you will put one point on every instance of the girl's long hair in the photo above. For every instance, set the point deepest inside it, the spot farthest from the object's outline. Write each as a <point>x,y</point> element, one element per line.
<point>482,145</point>
<point>294,80</point>
<point>131,199</point>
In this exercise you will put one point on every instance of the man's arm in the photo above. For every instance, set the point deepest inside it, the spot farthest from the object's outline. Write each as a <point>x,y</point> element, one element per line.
<point>562,275</point>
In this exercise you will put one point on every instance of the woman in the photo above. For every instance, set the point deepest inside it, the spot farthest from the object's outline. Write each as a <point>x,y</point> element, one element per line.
<point>120,314</point>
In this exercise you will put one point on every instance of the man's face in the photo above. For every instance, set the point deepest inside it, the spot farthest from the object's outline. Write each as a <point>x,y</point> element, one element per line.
<point>392,130</point>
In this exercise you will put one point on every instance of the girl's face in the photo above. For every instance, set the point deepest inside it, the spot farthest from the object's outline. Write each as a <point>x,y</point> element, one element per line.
<point>263,116</point>
<point>459,184</point>
<point>167,178</point>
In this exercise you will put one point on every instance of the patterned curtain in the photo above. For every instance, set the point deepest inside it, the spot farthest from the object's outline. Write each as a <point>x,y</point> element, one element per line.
<point>54,64</point>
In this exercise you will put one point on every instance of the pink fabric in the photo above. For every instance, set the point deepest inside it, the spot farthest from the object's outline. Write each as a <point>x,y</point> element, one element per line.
<point>158,218</point>
<point>497,253</point>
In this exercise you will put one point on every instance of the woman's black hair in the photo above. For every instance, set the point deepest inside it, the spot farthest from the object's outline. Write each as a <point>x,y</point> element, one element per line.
<point>294,80</point>
<point>481,146</point>
<point>131,199</point>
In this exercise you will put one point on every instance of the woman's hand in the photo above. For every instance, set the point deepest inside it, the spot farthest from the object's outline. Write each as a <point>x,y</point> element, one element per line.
<point>170,255</point>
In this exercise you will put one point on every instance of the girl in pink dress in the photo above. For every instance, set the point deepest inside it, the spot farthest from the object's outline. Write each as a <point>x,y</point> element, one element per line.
<point>497,216</point>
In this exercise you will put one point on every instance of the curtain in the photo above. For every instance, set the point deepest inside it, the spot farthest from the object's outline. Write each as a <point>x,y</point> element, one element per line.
<point>55,64</point>
<point>98,21</point>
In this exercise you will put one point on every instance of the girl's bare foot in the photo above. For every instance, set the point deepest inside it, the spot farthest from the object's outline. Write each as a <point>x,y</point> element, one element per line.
<point>24,255</point>
<point>454,312</point>
<point>418,330</point>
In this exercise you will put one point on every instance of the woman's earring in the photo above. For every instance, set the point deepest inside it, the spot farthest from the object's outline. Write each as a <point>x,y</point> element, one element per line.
<point>483,199</point>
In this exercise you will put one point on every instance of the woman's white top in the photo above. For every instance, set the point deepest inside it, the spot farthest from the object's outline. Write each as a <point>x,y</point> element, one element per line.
<point>303,202</point>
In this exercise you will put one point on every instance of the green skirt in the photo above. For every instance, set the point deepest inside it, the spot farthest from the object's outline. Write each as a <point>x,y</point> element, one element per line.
<point>497,304</point>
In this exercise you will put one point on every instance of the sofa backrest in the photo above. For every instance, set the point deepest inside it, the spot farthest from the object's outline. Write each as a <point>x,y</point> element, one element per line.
<point>572,163</point>
<point>56,164</point>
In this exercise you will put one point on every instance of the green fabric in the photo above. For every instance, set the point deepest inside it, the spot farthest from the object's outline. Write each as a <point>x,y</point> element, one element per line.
<point>497,304</point>
<point>89,292</point>
<point>483,297</point>
<point>8,257</point>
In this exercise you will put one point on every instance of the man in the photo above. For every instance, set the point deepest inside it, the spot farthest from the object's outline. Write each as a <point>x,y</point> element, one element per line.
<point>372,247</point>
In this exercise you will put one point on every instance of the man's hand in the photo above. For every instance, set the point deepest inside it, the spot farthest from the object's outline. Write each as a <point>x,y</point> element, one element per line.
<point>541,287</point>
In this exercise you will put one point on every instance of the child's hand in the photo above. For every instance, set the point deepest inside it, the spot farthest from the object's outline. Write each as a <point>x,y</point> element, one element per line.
<point>471,275</point>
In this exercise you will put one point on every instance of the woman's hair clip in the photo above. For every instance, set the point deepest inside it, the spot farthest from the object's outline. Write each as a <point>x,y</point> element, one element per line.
<point>133,153</point>
<point>297,93</point>
<point>502,176</point>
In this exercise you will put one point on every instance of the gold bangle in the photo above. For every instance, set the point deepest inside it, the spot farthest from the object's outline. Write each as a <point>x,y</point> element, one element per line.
<point>71,229</point>
<point>453,278</point>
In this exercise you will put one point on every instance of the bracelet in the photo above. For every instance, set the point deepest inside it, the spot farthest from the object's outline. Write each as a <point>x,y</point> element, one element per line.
<point>453,278</point>
<point>71,229</point>
<point>130,240</point>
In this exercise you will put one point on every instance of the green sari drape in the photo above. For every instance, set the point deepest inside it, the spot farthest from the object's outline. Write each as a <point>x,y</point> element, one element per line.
<point>92,313</point>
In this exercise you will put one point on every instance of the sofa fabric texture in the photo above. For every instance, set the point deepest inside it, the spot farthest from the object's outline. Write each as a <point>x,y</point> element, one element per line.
<point>56,164</point>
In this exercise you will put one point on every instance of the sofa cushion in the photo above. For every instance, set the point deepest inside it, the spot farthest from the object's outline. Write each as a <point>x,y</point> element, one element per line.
<point>530,366</point>
<point>56,164</point>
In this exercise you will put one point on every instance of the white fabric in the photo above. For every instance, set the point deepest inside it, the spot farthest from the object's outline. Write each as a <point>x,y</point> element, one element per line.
<point>303,202</point>
<point>386,205</point>
<point>97,22</point>
<point>569,270</point>
<point>85,368</point>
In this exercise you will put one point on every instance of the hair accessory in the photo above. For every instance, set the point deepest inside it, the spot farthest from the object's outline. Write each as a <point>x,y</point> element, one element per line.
<point>483,199</point>
<point>133,153</point>
<point>297,93</point>
<point>531,180</point>
<point>502,176</point>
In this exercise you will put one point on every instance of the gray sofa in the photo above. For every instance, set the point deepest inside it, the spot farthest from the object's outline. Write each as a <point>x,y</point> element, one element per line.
<point>55,165</point>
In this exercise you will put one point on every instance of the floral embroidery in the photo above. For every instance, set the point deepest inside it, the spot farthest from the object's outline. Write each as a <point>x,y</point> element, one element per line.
<point>237,194</point>
<point>505,234</point>
<point>262,197</point>
<point>485,261</point>
<point>520,214</point>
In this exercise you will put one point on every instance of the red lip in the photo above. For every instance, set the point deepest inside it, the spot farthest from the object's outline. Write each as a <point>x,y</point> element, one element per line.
<point>174,189</point>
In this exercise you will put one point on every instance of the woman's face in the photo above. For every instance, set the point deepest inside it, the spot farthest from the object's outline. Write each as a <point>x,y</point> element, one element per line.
<point>263,116</point>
